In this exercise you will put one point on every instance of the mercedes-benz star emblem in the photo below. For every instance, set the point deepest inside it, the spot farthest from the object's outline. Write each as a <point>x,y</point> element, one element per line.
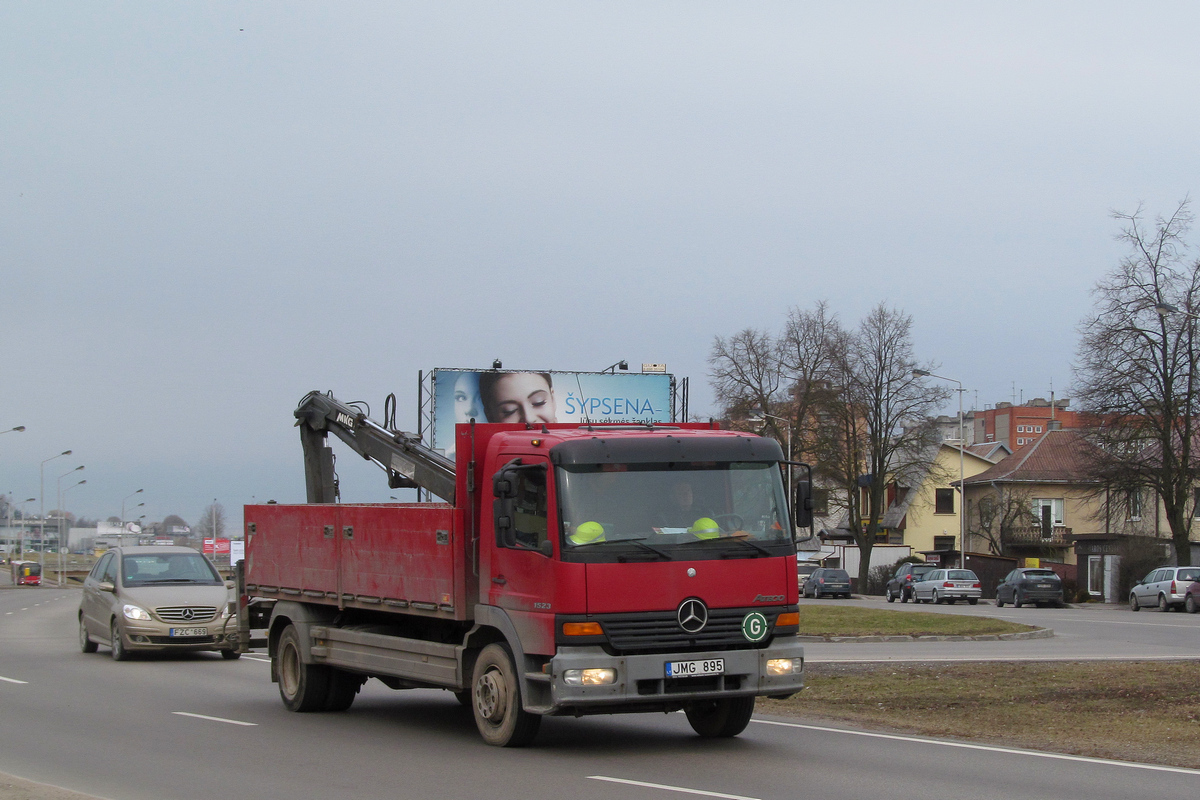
<point>692,615</point>
<point>187,613</point>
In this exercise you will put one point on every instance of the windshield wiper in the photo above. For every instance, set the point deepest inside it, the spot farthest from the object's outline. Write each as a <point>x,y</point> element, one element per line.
<point>639,542</point>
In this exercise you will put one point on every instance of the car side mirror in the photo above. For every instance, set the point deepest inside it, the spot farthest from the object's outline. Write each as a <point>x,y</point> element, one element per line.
<point>106,586</point>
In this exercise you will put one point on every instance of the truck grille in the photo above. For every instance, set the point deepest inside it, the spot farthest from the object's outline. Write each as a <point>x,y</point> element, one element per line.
<point>178,613</point>
<point>659,631</point>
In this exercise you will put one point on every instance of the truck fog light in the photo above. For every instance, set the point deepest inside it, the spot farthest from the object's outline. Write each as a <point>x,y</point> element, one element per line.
<point>783,666</point>
<point>589,677</point>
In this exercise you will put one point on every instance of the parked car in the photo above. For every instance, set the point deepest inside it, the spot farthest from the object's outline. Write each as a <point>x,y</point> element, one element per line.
<point>1165,587</point>
<point>1030,585</point>
<point>1191,602</point>
<point>827,582</point>
<point>804,570</point>
<point>948,586</point>
<point>156,598</point>
<point>900,585</point>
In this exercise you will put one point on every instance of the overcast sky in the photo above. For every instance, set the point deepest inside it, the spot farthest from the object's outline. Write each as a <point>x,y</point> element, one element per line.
<point>208,209</point>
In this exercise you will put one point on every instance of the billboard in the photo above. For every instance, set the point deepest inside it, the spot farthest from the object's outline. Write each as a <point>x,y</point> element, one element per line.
<point>520,396</point>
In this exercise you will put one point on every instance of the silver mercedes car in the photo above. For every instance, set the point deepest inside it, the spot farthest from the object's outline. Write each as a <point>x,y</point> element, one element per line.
<point>156,598</point>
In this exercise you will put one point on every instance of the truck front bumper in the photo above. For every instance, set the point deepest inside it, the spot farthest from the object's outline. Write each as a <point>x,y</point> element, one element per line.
<point>641,680</point>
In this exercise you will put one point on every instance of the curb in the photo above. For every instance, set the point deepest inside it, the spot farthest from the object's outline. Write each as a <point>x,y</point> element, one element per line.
<point>1039,633</point>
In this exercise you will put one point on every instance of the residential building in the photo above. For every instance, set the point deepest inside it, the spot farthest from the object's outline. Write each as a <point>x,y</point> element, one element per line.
<point>1018,426</point>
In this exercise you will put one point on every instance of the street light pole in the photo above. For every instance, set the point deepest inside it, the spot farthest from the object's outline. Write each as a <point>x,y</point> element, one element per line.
<point>61,519</point>
<point>121,535</point>
<point>24,516</point>
<point>962,446</point>
<point>62,514</point>
<point>42,514</point>
<point>17,429</point>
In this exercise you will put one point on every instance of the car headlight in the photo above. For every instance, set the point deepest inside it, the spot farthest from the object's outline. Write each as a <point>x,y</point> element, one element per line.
<point>135,612</point>
<point>589,677</point>
<point>227,611</point>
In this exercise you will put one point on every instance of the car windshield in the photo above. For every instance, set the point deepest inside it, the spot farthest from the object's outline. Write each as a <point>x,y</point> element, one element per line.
<point>614,512</point>
<point>961,575</point>
<point>168,568</point>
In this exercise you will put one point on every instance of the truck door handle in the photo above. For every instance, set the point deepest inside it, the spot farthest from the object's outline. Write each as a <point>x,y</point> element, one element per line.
<point>500,580</point>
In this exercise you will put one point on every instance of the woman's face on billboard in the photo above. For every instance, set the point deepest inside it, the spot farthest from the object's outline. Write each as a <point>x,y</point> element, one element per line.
<point>467,404</point>
<point>522,397</point>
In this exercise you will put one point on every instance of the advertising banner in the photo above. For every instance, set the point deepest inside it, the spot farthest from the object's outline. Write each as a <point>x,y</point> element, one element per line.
<point>515,396</point>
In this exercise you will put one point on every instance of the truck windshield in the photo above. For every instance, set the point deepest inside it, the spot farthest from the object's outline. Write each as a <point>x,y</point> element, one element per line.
<point>619,512</point>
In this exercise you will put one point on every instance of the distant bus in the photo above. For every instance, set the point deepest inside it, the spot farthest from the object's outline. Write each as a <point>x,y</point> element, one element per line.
<point>26,573</point>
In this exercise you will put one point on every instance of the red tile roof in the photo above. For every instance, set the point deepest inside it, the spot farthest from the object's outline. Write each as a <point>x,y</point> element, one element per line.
<point>1061,456</point>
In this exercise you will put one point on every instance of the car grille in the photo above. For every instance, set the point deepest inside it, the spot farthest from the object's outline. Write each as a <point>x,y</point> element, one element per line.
<point>659,631</point>
<point>178,613</point>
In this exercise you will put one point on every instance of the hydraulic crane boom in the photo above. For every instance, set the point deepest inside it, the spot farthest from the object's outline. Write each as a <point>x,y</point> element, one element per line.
<point>407,461</point>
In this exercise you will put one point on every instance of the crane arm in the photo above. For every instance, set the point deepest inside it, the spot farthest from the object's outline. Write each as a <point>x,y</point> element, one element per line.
<point>403,456</point>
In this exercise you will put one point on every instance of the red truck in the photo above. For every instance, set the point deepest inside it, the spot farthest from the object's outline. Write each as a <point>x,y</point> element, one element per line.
<point>564,573</point>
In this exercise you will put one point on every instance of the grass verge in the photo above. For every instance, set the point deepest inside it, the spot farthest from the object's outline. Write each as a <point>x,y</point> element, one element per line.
<point>1130,711</point>
<point>850,621</point>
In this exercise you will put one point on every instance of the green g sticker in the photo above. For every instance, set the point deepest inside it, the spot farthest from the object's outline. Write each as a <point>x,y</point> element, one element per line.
<point>754,626</point>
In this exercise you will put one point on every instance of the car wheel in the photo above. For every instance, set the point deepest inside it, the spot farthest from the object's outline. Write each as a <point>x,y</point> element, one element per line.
<point>905,596</point>
<point>934,598</point>
<point>1017,599</point>
<point>816,594</point>
<point>973,601</point>
<point>230,655</point>
<point>891,598</point>
<point>1189,605</point>
<point>1163,605</point>
<point>1133,603</point>
<point>999,601</point>
<point>119,653</point>
<point>88,646</point>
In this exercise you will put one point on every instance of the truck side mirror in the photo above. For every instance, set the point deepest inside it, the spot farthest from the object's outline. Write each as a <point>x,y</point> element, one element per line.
<point>802,504</point>
<point>506,535</point>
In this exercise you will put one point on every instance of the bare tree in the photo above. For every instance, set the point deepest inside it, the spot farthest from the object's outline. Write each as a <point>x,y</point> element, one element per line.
<point>805,355</point>
<point>744,372</point>
<point>1136,368</point>
<point>998,514</point>
<point>211,524</point>
<point>878,424</point>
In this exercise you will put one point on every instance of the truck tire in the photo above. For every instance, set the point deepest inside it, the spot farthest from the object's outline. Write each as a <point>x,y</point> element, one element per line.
<point>496,700</point>
<point>343,687</point>
<point>464,697</point>
<point>720,719</point>
<point>302,687</point>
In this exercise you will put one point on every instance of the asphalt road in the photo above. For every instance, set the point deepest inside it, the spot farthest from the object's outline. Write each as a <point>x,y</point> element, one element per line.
<point>199,727</point>
<point>1085,632</point>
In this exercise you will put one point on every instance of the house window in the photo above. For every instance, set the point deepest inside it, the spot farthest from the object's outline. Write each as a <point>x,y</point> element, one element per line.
<point>1020,429</point>
<point>1037,428</point>
<point>1133,499</point>
<point>1196,503</point>
<point>1055,504</point>
<point>820,502</point>
<point>943,501</point>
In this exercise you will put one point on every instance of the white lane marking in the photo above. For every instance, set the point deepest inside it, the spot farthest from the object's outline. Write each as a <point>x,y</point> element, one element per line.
<point>260,660</point>
<point>11,680</point>
<point>216,719</point>
<point>667,788</point>
<point>984,747</point>
<point>8,613</point>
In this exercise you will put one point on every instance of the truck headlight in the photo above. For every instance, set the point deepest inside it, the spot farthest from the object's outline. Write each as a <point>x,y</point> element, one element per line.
<point>135,612</point>
<point>784,666</point>
<point>589,677</point>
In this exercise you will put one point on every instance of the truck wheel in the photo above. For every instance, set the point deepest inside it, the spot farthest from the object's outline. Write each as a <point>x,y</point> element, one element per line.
<point>343,687</point>
<point>119,653</point>
<point>303,687</point>
<point>720,719</point>
<point>496,700</point>
<point>85,642</point>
